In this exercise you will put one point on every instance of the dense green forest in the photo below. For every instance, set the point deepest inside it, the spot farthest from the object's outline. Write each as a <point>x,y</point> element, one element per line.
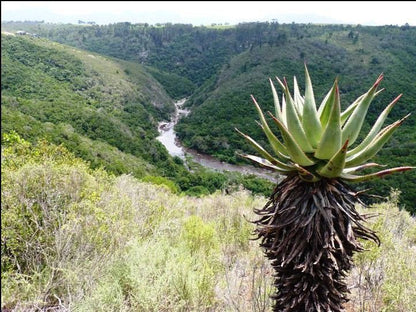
<point>219,67</point>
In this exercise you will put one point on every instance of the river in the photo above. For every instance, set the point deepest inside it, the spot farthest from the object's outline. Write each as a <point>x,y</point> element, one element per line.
<point>167,137</point>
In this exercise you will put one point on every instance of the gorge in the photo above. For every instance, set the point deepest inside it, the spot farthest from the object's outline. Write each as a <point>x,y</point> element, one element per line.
<point>169,139</point>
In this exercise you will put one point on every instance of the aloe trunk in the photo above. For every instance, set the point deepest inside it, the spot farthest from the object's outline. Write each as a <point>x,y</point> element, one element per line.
<point>310,240</point>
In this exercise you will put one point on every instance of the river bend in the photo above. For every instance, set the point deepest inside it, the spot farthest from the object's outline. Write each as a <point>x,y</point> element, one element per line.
<point>167,137</point>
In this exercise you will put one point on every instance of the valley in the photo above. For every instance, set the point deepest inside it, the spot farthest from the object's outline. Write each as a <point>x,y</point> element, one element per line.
<point>217,69</point>
<point>168,138</point>
<point>167,135</point>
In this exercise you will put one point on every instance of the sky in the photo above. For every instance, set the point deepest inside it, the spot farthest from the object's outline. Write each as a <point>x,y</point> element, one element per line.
<point>372,13</point>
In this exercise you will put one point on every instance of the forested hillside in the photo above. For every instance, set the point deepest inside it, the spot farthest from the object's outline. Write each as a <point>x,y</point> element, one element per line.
<point>224,102</point>
<point>104,110</point>
<point>85,100</point>
<point>219,67</point>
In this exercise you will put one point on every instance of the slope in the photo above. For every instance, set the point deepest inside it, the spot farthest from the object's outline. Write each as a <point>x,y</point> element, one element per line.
<point>81,239</point>
<point>104,110</point>
<point>101,108</point>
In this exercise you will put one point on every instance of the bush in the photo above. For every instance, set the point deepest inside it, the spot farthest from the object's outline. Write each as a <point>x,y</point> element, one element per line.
<point>197,191</point>
<point>81,239</point>
<point>170,185</point>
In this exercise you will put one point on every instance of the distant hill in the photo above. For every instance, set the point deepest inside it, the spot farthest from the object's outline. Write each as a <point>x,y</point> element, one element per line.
<point>103,109</point>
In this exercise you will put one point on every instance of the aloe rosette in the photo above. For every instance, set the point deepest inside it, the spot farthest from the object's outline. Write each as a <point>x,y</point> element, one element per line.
<point>309,227</point>
<point>316,142</point>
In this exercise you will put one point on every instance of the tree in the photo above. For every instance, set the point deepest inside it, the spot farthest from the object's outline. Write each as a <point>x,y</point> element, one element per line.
<point>309,228</point>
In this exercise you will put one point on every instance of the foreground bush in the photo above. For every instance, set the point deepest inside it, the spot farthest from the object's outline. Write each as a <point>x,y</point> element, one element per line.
<point>76,239</point>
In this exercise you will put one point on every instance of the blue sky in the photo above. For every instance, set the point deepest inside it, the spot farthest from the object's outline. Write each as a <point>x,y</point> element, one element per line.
<point>208,12</point>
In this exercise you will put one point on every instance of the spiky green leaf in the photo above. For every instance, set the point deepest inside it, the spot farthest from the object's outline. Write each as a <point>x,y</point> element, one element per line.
<point>331,138</point>
<point>306,175</point>
<point>297,98</point>
<point>326,105</point>
<point>353,125</point>
<point>335,165</point>
<point>376,127</point>
<point>293,149</point>
<point>310,121</point>
<point>276,102</point>
<point>350,109</point>
<point>265,163</point>
<point>293,123</point>
<point>371,176</point>
<point>264,153</point>
<point>278,147</point>
<point>375,145</point>
<point>361,167</point>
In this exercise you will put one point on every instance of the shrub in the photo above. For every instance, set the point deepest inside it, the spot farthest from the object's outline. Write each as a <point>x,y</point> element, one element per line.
<point>170,185</point>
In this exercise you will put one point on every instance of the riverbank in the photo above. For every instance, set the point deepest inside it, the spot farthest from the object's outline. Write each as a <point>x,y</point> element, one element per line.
<point>215,164</point>
<point>169,139</point>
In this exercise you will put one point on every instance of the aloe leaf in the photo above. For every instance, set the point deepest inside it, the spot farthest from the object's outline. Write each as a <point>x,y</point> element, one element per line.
<point>375,145</point>
<point>326,104</point>
<point>323,103</point>
<point>293,149</point>
<point>353,125</point>
<point>265,163</point>
<point>330,141</point>
<point>310,121</point>
<point>306,175</point>
<point>335,165</point>
<point>375,129</point>
<point>264,153</point>
<point>361,167</point>
<point>293,123</point>
<point>297,98</point>
<point>281,156</point>
<point>282,85</point>
<point>350,109</point>
<point>371,176</point>
<point>284,102</point>
<point>277,108</point>
<point>277,146</point>
<point>284,110</point>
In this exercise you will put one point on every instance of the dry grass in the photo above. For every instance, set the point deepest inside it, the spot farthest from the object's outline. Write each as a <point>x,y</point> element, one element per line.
<point>117,244</point>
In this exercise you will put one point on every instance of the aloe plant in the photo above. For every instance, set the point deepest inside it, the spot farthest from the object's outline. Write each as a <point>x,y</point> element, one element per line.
<point>309,228</point>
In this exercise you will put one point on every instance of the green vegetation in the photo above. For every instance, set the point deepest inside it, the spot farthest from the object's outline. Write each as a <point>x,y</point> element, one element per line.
<point>86,240</point>
<point>103,110</point>
<point>96,215</point>
<point>219,67</point>
<point>373,278</point>
<point>54,91</point>
<point>176,86</point>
